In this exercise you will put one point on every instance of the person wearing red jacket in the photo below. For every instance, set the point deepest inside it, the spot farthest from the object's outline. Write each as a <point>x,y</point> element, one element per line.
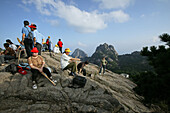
<point>60,44</point>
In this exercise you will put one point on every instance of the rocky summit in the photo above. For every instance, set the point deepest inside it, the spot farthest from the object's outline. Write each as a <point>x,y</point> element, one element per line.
<point>78,53</point>
<point>109,93</point>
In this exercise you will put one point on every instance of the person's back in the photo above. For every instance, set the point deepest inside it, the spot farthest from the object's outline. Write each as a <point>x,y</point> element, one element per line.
<point>60,44</point>
<point>25,30</point>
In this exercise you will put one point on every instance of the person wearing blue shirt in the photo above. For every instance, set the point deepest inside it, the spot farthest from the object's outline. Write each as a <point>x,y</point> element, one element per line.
<point>28,42</point>
<point>38,39</point>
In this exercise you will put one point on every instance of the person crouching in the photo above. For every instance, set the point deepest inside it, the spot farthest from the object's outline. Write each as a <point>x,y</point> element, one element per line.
<point>36,62</point>
<point>68,62</point>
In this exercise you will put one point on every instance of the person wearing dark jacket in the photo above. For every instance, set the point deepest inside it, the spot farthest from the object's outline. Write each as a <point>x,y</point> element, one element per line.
<point>80,67</point>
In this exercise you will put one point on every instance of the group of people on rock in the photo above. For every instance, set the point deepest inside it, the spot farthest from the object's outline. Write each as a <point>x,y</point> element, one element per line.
<point>31,46</point>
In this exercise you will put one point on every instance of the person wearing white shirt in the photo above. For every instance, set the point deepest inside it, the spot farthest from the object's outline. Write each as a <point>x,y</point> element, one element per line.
<point>56,49</point>
<point>38,38</point>
<point>13,46</point>
<point>68,62</point>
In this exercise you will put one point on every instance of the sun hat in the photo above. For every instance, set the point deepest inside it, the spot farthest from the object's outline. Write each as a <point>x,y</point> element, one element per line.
<point>56,45</point>
<point>33,26</point>
<point>67,50</point>
<point>34,50</point>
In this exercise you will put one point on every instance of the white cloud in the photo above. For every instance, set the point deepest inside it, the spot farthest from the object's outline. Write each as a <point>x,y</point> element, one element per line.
<point>25,8</point>
<point>80,20</point>
<point>155,39</point>
<point>53,22</point>
<point>117,16</point>
<point>81,44</point>
<point>112,4</point>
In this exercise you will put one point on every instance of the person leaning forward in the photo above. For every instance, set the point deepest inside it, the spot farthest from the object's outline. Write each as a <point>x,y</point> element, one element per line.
<point>68,62</point>
<point>37,63</point>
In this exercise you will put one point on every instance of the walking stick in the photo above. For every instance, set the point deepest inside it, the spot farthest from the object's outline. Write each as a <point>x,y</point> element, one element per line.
<point>48,78</point>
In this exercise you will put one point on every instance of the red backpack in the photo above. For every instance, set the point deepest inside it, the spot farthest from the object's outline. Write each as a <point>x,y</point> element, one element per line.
<point>47,41</point>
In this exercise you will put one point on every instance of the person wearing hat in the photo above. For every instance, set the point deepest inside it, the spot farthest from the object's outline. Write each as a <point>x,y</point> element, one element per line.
<point>38,38</point>
<point>68,62</point>
<point>56,49</point>
<point>28,42</point>
<point>60,44</point>
<point>36,62</point>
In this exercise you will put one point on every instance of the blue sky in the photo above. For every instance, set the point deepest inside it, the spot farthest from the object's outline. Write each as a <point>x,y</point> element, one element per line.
<point>128,25</point>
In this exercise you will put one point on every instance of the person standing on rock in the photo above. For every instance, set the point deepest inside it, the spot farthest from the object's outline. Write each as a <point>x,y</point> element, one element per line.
<point>48,42</point>
<point>103,65</point>
<point>26,38</point>
<point>68,62</point>
<point>38,38</point>
<point>36,62</point>
<point>60,44</point>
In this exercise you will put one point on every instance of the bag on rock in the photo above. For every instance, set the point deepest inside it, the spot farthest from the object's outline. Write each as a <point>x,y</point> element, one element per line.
<point>80,81</point>
<point>11,68</point>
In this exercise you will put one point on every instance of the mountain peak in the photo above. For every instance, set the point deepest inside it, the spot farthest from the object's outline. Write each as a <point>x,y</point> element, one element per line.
<point>79,53</point>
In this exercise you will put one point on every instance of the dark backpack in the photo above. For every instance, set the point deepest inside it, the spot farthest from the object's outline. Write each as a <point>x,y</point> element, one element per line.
<point>11,68</point>
<point>30,35</point>
<point>79,81</point>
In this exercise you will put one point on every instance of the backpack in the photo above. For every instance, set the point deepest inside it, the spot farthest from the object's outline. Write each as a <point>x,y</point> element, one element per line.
<point>79,81</point>
<point>30,35</point>
<point>24,66</point>
<point>11,68</point>
<point>47,41</point>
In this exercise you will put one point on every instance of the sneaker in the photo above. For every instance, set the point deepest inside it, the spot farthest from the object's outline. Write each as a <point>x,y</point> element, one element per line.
<point>55,81</point>
<point>34,86</point>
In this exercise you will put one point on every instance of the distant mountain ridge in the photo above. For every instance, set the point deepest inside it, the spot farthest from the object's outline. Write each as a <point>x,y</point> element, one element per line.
<point>78,53</point>
<point>105,50</point>
<point>132,63</point>
<point>129,63</point>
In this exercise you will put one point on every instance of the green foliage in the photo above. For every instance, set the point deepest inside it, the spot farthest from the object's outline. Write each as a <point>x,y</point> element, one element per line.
<point>155,87</point>
<point>1,49</point>
<point>132,64</point>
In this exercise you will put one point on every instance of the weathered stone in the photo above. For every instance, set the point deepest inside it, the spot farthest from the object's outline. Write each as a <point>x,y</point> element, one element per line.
<point>109,93</point>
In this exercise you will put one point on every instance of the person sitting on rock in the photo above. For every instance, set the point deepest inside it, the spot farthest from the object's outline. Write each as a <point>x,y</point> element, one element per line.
<point>68,62</point>
<point>56,49</point>
<point>12,45</point>
<point>8,54</point>
<point>36,62</point>
<point>80,67</point>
